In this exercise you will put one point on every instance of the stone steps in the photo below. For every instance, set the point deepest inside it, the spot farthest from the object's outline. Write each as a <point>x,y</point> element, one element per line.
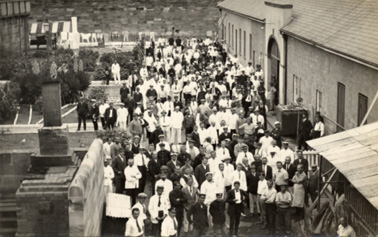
<point>8,217</point>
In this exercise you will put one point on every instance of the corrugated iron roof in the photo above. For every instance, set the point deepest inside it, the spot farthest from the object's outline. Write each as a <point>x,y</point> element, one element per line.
<point>250,8</point>
<point>355,154</point>
<point>348,27</point>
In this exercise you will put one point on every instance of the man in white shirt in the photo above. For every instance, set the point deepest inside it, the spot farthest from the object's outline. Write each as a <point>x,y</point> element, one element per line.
<point>232,121</point>
<point>222,151</point>
<point>132,175</point>
<point>141,206</point>
<point>213,134</point>
<point>239,175</point>
<point>116,71</point>
<point>228,171</point>
<point>257,117</point>
<point>261,187</point>
<point>108,177</point>
<point>169,227</point>
<point>176,124</point>
<point>141,161</point>
<point>165,123</point>
<point>244,154</point>
<point>135,225</point>
<point>202,132</point>
<point>274,155</point>
<point>122,114</point>
<point>158,209</point>
<point>102,108</point>
<point>266,141</point>
<point>220,179</point>
<point>269,197</point>
<point>106,148</point>
<point>143,72</point>
<point>169,106</point>
<point>286,151</point>
<point>164,182</point>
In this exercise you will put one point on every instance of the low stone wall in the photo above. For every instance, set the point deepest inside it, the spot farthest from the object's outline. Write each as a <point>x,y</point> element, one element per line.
<point>86,194</point>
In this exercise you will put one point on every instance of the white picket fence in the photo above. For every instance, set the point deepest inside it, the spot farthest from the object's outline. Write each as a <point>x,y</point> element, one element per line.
<point>312,157</point>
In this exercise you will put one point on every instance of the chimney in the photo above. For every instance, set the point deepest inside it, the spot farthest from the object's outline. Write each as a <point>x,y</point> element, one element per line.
<point>279,12</point>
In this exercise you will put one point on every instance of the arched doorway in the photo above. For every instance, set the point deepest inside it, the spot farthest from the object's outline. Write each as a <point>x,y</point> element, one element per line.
<point>274,67</point>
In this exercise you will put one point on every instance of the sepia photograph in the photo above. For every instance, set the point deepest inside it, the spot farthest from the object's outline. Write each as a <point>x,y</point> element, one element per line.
<point>188,118</point>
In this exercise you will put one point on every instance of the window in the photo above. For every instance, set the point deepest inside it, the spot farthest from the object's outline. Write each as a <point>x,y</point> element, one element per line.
<point>253,59</point>
<point>229,33</point>
<point>225,33</point>
<point>250,50</point>
<point>296,88</point>
<point>240,43</point>
<point>318,100</point>
<point>340,106</point>
<point>362,108</point>
<point>236,42</point>
<point>232,41</point>
<point>244,45</point>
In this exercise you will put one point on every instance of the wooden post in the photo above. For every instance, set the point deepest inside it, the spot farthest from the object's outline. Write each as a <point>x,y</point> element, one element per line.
<point>319,179</point>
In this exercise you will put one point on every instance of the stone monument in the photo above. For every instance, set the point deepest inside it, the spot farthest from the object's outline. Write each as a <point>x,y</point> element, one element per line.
<point>42,197</point>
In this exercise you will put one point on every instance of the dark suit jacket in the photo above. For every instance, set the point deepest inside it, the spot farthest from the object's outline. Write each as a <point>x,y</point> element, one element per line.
<point>269,172</point>
<point>164,156</point>
<point>183,157</point>
<point>119,166</point>
<point>199,213</point>
<point>173,196</point>
<point>291,169</point>
<point>154,168</point>
<point>155,136</point>
<point>233,207</point>
<point>305,129</point>
<point>124,91</point>
<point>252,183</point>
<point>171,166</point>
<point>107,113</point>
<point>217,211</point>
<point>190,197</point>
<point>95,112</point>
<point>223,136</point>
<point>82,108</point>
<point>303,162</point>
<point>199,173</point>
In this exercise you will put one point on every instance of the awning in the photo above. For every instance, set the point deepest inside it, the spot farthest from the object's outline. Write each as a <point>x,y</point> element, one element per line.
<point>355,154</point>
<point>56,27</point>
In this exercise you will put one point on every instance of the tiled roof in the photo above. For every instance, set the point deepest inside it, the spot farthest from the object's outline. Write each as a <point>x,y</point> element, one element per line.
<point>348,27</point>
<point>251,8</point>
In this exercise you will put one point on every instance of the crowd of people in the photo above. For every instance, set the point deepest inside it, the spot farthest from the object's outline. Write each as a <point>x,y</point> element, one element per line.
<point>193,122</point>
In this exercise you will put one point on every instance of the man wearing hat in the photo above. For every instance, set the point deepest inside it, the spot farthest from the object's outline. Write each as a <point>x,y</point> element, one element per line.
<point>132,175</point>
<point>266,141</point>
<point>141,206</point>
<point>168,106</point>
<point>201,171</point>
<point>209,188</point>
<point>162,141</point>
<point>151,92</point>
<point>154,170</point>
<point>163,155</point>
<point>177,199</point>
<point>165,123</point>
<point>82,112</point>
<point>217,211</point>
<point>164,181</point>
<point>176,125</point>
<point>286,151</point>
<point>158,209</point>
<point>276,133</point>
<point>124,92</point>
<point>235,198</point>
<point>170,224</point>
<point>244,154</point>
<point>197,215</point>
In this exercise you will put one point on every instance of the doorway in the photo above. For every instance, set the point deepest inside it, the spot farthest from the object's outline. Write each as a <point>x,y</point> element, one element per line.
<point>274,68</point>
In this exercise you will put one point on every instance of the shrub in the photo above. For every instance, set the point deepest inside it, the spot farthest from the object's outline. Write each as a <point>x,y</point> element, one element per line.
<point>89,58</point>
<point>9,100</point>
<point>40,54</point>
<point>98,93</point>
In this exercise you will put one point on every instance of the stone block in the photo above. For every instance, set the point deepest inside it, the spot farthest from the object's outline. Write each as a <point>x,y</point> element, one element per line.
<point>53,140</point>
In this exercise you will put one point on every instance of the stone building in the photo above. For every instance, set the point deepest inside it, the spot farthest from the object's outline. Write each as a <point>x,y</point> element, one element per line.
<point>322,51</point>
<point>14,17</point>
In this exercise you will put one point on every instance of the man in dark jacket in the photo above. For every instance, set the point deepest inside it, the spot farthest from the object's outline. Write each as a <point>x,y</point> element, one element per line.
<point>217,211</point>
<point>154,170</point>
<point>199,158</point>
<point>183,155</point>
<point>110,116</point>
<point>197,215</point>
<point>235,198</point>
<point>252,183</point>
<point>301,161</point>
<point>177,199</point>
<point>163,155</point>
<point>195,137</point>
<point>119,165</point>
<point>82,112</point>
<point>129,105</point>
<point>155,135</point>
<point>124,92</point>
<point>304,132</point>
<point>200,172</point>
<point>95,113</point>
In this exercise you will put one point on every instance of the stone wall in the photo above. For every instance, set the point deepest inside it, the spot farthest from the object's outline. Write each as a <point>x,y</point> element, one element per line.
<point>86,194</point>
<point>320,70</point>
<point>191,17</point>
<point>14,29</point>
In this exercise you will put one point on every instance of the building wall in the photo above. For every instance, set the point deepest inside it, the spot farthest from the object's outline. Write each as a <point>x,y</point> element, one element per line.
<point>191,17</point>
<point>321,70</point>
<point>250,27</point>
<point>14,34</point>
